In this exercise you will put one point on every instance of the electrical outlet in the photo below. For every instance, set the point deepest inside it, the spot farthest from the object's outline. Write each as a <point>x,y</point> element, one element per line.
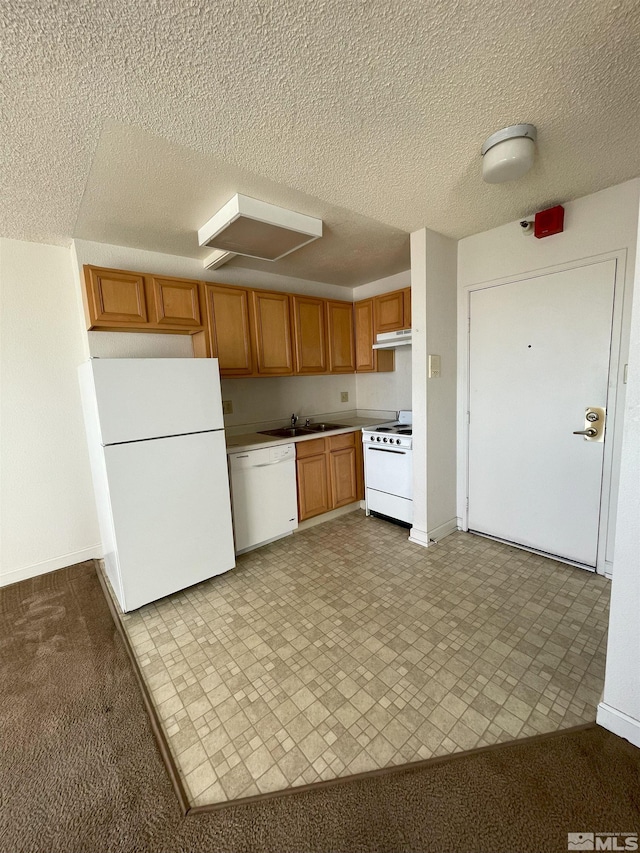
<point>227,407</point>
<point>344,396</point>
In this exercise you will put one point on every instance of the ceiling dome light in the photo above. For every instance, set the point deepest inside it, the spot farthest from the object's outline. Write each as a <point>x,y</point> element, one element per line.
<point>508,154</point>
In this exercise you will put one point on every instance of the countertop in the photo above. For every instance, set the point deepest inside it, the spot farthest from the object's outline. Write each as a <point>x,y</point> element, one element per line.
<point>255,441</point>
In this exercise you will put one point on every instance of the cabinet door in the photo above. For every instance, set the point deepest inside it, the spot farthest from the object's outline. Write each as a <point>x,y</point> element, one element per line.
<point>407,308</point>
<point>363,321</point>
<point>342,356</point>
<point>313,486</point>
<point>344,479</point>
<point>272,327</point>
<point>309,334</point>
<point>389,311</point>
<point>176,301</point>
<point>114,298</point>
<point>230,329</point>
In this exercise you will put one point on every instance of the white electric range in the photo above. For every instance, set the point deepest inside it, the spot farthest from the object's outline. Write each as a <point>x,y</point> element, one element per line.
<point>388,469</point>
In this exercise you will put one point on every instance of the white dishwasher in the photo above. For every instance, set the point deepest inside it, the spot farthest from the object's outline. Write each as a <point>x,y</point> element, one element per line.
<point>264,495</point>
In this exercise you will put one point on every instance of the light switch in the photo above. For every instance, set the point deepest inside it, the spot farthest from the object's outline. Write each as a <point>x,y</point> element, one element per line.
<point>344,396</point>
<point>227,407</point>
<point>434,367</point>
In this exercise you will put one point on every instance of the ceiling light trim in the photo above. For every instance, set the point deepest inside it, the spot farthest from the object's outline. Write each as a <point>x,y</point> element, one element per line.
<point>217,258</point>
<point>247,209</point>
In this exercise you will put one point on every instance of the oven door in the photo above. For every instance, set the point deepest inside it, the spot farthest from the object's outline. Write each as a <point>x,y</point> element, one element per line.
<point>389,469</point>
<point>388,474</point>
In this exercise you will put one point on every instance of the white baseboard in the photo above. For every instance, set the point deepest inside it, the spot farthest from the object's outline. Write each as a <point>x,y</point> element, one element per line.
<point>419,537</point>
<point>52,565</point>
<point>444,529</point>
<point>620,724</point>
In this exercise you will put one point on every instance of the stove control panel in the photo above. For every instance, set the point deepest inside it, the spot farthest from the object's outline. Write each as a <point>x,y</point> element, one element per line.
<point>394,441</point>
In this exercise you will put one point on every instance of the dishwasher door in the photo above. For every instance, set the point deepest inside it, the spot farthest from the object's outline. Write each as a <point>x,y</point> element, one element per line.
<point>264,495</point>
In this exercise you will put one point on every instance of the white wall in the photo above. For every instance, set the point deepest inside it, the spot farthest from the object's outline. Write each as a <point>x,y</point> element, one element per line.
<point>382,285</point>
<point>387,390</point>
<point>620,709</point>
<point>599,224</point>
<point>433,298</point>
<point>47,512</point>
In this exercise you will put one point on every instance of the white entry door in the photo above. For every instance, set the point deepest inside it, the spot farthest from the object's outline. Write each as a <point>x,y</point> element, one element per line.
<point>539,354</point>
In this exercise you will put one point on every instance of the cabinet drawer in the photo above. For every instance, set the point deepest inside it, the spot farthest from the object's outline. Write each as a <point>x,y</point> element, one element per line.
<point>338,442</point>
<point>310,448</point>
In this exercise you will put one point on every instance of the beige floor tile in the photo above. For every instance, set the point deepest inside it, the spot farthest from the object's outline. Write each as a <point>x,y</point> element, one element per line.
<point>313,661</point>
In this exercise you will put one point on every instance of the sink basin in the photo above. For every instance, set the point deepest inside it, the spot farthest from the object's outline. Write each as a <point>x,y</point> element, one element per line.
<point>286,432</point>
<point>326,427</point>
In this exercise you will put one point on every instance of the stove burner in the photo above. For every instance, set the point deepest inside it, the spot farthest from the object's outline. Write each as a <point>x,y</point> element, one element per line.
<point>404,432</point>
<point>384,429</point>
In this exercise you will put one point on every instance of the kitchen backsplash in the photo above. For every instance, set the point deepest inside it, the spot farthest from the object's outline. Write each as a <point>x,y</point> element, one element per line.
<point>275,398</point>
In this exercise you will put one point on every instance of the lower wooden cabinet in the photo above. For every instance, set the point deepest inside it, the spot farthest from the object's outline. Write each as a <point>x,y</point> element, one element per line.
<point>329,473</point>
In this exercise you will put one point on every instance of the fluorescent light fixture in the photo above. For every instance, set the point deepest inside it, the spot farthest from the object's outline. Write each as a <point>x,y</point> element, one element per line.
<point>257,229</point>
<point>508,154</point>
<point>217,259</point>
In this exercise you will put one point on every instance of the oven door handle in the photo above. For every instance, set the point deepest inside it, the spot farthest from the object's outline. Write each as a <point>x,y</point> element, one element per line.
<point>387,450</point>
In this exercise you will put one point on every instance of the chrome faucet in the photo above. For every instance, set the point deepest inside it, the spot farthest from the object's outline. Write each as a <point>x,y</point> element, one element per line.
<point>307,422</point>
<point>294,420</point>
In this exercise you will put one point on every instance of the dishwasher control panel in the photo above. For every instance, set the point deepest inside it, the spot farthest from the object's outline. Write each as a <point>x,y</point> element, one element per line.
<point>282,452</point>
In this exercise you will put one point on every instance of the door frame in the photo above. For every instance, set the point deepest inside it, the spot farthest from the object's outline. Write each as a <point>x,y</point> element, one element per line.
<point>615,400</point>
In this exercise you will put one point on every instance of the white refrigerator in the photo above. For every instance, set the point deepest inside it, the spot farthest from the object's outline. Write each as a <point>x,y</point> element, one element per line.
<point>158,459</point>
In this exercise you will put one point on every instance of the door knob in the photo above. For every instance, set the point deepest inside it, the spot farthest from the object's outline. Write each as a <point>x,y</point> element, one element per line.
<point>592,416</point>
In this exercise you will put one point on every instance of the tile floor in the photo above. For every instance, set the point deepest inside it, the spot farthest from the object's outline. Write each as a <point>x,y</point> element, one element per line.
<point>346,648</point>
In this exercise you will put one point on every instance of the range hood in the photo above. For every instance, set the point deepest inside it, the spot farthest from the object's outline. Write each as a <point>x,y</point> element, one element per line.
<point>391,340</point>
<point>256,229</point>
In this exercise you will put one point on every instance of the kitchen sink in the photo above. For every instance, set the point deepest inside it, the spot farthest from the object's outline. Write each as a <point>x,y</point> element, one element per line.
<point>287,432</point>
<point>293,432</point>
<point>326,427</point>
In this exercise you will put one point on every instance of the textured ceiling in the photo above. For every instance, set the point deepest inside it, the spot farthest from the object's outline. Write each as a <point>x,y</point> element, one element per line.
<point>164,192</point>
<point>373,107</point>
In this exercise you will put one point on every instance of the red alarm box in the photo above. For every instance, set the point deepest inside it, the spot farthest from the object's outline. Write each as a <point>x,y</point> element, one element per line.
<point>550,221</point>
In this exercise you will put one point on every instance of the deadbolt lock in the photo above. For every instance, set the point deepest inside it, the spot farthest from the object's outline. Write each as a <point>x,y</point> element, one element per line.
<point>593,415</point>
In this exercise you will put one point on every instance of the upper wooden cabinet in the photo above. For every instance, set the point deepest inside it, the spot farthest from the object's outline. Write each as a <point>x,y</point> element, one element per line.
<point>250,332</point>
<point>309,334</point>
<point>114,298</point>
<point>407,307</point>
<point>120,300</point>
<point>340,334</point>
<point>175,301</point>
<point>392,311</point>
<point>272,328</point>
<point>369,360</point>
<point>229,327</point>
